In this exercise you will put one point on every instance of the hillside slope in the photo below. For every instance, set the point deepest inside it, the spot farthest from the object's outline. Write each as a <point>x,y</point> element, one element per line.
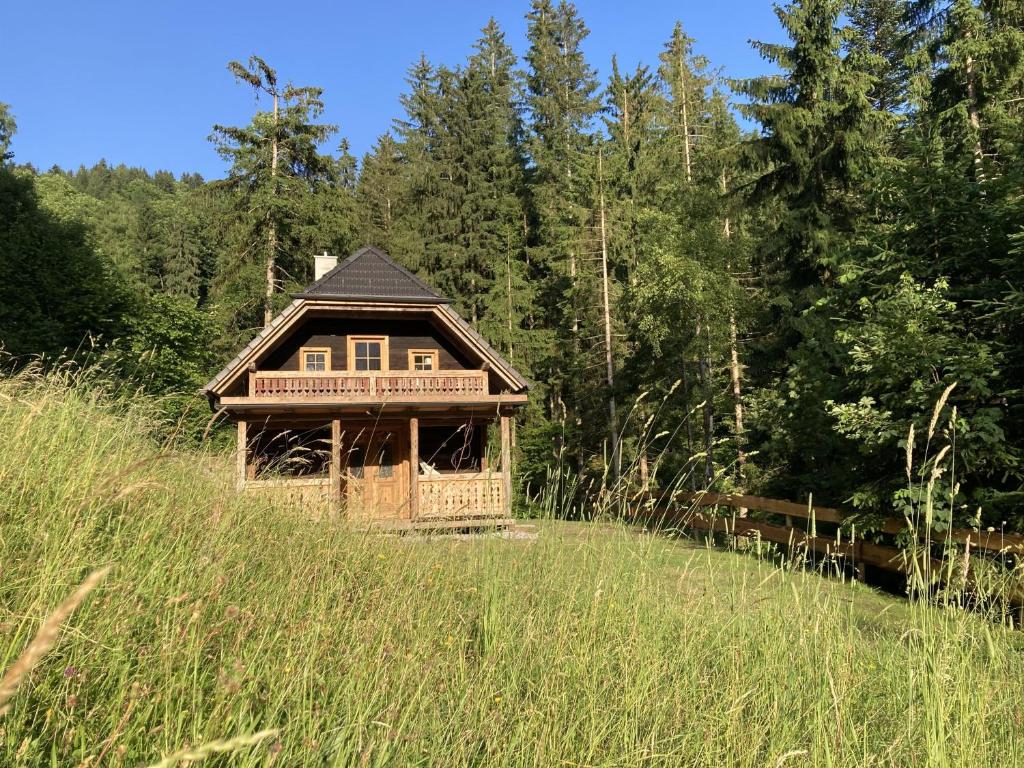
<point>591,645</point>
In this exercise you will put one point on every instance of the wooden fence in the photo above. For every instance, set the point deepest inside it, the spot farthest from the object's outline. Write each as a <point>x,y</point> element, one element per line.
<point>684,509</point>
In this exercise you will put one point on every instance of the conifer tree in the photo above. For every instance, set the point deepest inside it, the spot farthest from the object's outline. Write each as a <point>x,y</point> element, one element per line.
<point>275,167</point>
<point>816,143</point>
<point>492,217</point>
<point>561,103</point>
<point>381,196</point>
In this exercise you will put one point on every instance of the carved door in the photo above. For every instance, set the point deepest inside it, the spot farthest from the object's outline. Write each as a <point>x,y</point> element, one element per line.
<point>373,483</point>
<point>387,479</point>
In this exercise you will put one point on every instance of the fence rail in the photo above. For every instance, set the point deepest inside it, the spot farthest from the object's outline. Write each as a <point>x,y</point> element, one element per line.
<point>685,510</point>
<point>991,541</point>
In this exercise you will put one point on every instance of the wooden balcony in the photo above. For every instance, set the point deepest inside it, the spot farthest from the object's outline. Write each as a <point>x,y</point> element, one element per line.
<point>348,386</point>
<point>461,495</point>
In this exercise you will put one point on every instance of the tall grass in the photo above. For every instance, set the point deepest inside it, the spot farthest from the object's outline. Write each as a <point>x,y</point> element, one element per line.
<point>242,634</point>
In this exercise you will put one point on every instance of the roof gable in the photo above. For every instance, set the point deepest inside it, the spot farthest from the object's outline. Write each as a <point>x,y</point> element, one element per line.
<point>369,274</point>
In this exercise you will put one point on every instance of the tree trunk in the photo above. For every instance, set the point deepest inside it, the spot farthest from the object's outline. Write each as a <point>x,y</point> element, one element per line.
<point>704,376</point>
<point>972,108</point>
<point>734,371</point>
<point>613,427</point>
<point>508,278</point>
<point>689,426</point>
<point>268,304</point>
<point>734,362</point>
<point>685,116</point>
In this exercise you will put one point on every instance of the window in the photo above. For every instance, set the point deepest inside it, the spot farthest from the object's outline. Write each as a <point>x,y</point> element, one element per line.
<point>356,459</point>
<point>367,353</point>
<point>315,358</point>
<point>422,359</point>
<point>385,462</point>
<point>279,452</point>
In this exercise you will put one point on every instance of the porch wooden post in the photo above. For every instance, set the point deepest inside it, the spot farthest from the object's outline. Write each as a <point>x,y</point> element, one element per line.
<point>414,467</point>
<point>506,466</point>
<point>242,455</point>
<point>335,474</point>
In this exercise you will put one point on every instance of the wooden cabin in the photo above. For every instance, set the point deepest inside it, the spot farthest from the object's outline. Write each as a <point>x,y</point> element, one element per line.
<point>370,396</point>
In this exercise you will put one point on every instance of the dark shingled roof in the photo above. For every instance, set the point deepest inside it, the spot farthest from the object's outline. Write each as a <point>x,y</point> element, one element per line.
<point>370,274</point>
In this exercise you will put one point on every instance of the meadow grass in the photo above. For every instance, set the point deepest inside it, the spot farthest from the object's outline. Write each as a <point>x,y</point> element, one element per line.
<point>242,634</point>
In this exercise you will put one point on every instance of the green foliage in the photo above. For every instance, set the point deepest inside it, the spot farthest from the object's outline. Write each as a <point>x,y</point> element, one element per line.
<point>8,127</point>
<point>904,349</point>
<point>167,347</point>
<point>58,296</point>
<point>282,189</point>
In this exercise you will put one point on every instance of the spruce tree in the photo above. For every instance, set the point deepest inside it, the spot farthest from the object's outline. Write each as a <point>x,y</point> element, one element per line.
<point>561,103</point>
<point>492,217</point>
<point>276,166</point>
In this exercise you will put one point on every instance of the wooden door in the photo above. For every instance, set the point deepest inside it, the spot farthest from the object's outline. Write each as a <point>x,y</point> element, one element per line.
<point>388,498</point>
<point>373,479</point>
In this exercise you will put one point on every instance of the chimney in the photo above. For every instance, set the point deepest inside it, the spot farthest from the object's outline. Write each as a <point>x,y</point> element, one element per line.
<point>322,264</point>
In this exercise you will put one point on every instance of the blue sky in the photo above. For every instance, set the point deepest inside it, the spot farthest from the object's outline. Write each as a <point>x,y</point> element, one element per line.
<point>142,82</point>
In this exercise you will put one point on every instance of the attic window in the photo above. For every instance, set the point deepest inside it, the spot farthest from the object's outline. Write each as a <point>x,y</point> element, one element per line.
<point>422,359</point>
<point>315,358</point>
<point>367,353</point>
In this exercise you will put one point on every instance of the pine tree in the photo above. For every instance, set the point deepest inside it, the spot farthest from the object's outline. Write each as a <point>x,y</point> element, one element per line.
<point>381,198</point>
<point>492,216</point>
<point>561,104</point>
<point>275,167</point>
<point>817,138</point>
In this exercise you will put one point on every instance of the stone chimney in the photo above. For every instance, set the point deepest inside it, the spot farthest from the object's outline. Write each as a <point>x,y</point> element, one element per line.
<point>322,264</point>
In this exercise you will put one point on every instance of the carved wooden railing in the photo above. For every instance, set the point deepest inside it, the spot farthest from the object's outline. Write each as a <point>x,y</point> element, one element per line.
<point>441,384</point>
<point>345,385</point>
<point>471,494</point>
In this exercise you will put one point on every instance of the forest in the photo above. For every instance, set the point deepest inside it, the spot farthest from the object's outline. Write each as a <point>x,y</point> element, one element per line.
<point>761,284</point>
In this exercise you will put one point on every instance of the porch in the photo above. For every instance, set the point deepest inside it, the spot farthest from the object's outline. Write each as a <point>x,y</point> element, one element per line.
<point>435,471</point>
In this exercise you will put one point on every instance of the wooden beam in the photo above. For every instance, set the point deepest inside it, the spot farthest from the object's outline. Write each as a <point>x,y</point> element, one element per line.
<point>414,467</point>
<point>335,492</point>
<point>506,465</point>
<point>242,455</point>
<point>468,523</point>
<point>404,401</point>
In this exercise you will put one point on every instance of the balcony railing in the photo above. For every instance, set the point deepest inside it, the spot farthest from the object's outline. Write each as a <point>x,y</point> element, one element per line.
<point>378,386</point>
<point>470,494</point>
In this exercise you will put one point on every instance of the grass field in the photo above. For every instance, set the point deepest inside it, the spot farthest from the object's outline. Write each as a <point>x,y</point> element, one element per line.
<point>223,619</point>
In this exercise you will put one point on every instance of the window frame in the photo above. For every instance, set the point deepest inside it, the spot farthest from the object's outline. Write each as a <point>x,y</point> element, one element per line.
<point>434,355</point>
<point>325,351</point>
<point>385,353</point>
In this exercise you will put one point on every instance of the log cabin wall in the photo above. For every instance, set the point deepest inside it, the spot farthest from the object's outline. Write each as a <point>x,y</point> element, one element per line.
<point>333,333</point>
